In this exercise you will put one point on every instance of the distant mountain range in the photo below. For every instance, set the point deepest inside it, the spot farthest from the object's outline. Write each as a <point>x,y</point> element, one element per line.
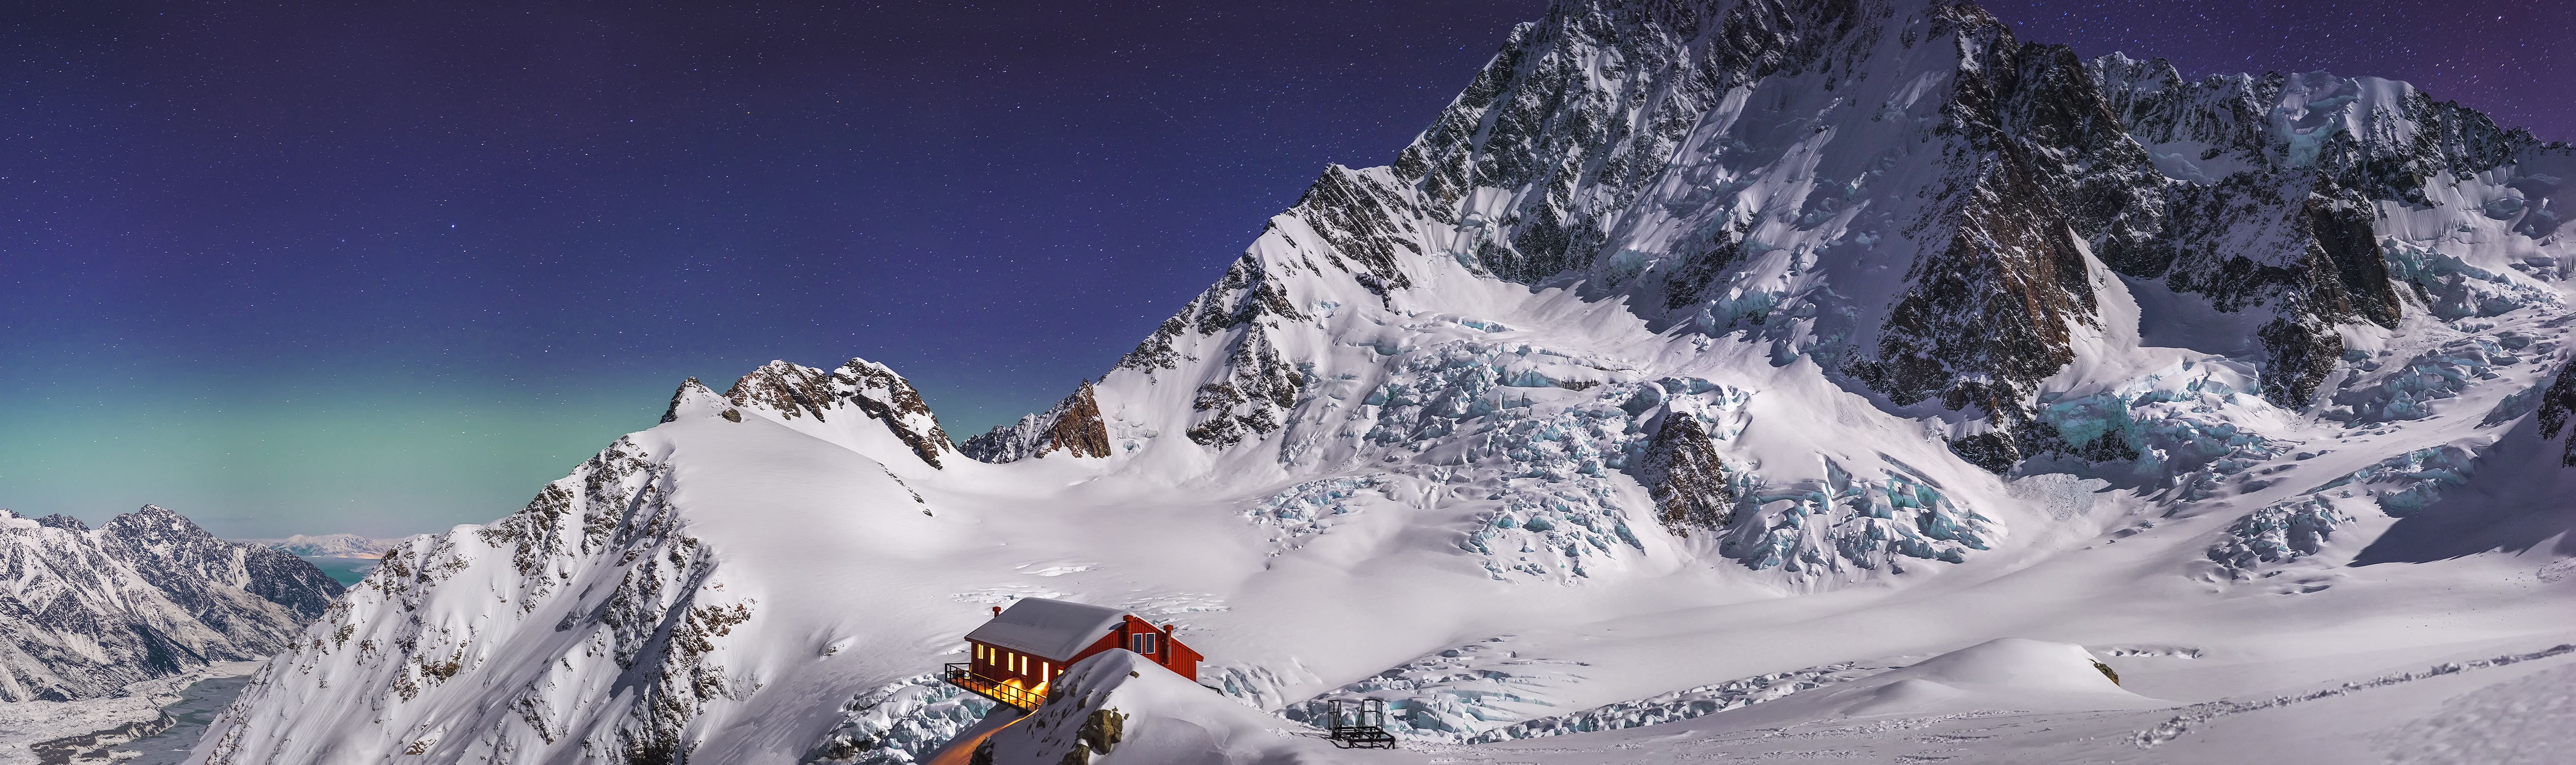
<point>145,595</point>
<point>327,545</point>
<point>1699,354</point>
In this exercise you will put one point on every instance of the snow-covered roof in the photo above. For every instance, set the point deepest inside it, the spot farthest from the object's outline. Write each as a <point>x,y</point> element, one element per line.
<point>1049,629</point>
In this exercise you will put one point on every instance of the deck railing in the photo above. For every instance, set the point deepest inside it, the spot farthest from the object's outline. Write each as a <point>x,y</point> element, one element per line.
<point>1024,699</point>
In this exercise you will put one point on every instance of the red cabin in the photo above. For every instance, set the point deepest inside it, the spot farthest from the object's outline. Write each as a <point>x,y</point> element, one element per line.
<point>1031,642</point>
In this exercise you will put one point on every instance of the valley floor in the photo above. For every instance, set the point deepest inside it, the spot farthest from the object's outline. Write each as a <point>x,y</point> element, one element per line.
<point>25,724</point>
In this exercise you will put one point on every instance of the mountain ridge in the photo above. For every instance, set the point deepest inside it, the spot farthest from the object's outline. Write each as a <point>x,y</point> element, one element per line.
<point>146,594</point>
<point>1800,328</point>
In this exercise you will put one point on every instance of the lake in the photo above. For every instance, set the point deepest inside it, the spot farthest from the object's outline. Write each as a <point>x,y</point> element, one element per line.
<point>343,570</point>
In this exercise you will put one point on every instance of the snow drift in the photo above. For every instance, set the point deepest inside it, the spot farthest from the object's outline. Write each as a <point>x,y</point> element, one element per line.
<point>2012,674</point>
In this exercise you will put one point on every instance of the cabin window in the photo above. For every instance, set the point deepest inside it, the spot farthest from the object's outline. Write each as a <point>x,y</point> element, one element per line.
<point>1142,643</point>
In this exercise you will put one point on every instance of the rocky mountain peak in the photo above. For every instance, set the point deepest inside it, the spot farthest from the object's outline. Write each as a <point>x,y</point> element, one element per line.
<point>876,389</point>
<point>1806,294</point>
<point>688,388</point>
<point>1927,207</point>
<point>155,525</point>
<point>787,390</point>
<point>149,593</point>
<point>1073,426</point>
<point>860,388</point>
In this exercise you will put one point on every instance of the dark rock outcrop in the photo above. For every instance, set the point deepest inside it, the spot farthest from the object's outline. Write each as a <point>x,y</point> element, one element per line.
<point>2557,404</point>
<point>790,391</point>
<point>1691,486</point>
<point>1254,398</point>
<point>1634,151</point>
<point>1073,426</point>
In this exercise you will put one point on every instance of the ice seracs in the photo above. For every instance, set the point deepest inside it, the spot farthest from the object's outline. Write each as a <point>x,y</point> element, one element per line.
<point>1705,352</point>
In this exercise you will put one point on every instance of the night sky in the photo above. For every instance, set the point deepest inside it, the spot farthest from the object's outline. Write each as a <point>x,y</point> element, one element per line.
<point>384,268</point>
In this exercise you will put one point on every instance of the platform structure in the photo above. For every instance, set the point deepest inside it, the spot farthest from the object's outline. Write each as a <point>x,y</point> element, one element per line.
<point>1023,648</point>
<point>1007,694</point>
<point>1359,724</point>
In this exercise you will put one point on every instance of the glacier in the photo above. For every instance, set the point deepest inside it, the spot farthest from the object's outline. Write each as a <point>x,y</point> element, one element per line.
<point>1723,365</point>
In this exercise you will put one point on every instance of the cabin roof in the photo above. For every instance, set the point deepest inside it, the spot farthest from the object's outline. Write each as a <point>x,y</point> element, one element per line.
<point>1049,629</point>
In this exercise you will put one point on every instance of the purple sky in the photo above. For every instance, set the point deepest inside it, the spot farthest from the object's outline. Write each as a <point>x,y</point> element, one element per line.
<point>383,267</point>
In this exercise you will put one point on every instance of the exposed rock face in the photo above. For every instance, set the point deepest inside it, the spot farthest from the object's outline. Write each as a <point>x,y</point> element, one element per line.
<point>2271,204</point>
<point>2036,162</point>
<point>2556,405</point>
<point>1804,270</point>
<point>1073,425</point>
<point>691,385</point>
<point>884,395</point>
<point>789,391</point>
<point>146,595</point>
<point>1689,482</point>
<point>605,537</point>
<point>198,571</point>
<point>1254,398</point>
<point>1901,190</point>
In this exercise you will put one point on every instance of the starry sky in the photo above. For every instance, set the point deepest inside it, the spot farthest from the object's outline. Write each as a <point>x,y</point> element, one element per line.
<point>388,267</point>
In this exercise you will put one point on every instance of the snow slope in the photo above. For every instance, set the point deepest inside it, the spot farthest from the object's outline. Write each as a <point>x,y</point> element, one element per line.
<point>2465,708</point>
<point>1699,357</point>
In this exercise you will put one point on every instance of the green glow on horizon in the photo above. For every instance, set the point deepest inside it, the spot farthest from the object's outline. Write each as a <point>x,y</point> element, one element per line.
<point>254,465</point>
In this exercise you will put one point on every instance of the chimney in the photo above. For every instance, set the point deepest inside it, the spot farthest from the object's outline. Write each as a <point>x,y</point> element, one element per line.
<point>997,610</point>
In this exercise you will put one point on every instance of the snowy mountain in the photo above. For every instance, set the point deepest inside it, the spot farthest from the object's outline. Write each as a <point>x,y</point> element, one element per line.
<point>146,595</point>
<point>327,545</point>
<point>1073,426</point>
<point>1699,355</point>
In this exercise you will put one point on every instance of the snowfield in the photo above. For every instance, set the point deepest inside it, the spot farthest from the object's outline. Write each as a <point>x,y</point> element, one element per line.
<point>1711,380</point>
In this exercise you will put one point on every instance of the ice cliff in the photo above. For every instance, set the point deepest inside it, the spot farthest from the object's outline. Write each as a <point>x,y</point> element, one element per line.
<point>1811,325</point>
